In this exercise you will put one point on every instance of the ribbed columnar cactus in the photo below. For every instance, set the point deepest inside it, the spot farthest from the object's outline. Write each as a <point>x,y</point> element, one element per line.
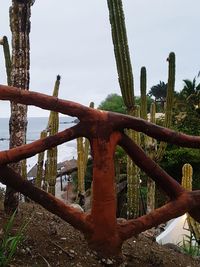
<point>133,178</point>
<point>51,163</point>
<point>143,105</point>
<point>8,63</point>
<point>81,166</point>
<point>83,147</point>
<point>40,163</point>
<point>169,102</point>
<point>151,147</point>
<point>143,93</point>
<point>187,173</point>
<point>125,76</point>
<point>121,50</point>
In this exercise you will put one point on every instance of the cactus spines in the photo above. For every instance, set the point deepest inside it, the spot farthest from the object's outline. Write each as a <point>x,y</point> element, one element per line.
<point>51,163</point>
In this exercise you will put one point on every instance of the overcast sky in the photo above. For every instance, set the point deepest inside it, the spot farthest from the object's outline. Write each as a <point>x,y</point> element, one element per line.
<point>72,38</point>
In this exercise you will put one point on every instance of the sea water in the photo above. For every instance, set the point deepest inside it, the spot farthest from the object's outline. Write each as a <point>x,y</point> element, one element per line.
<point>66,151</point>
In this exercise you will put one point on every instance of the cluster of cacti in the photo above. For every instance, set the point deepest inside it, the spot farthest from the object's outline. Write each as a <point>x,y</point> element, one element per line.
<point>187,172</point>
<point>83,147</point>
<point>149,144</point>
<point>125,76</point>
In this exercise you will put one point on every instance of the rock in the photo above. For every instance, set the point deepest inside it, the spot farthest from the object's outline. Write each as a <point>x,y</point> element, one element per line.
<point>77,207</point>
<point>107,261</point>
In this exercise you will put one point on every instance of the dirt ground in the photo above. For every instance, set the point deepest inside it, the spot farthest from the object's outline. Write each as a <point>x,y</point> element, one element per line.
<point>49,241</point>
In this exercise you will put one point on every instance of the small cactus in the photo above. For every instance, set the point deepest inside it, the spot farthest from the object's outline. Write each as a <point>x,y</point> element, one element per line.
<point>187,173</point>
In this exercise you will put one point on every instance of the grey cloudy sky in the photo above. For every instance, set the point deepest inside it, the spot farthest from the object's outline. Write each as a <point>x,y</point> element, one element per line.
<point>73,39</point>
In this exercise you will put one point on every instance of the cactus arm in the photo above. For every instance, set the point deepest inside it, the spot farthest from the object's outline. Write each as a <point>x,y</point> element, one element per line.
<point>7,56</point>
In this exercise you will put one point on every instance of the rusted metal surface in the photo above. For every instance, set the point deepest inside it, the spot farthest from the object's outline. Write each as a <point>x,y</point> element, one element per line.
<point>105,130</point>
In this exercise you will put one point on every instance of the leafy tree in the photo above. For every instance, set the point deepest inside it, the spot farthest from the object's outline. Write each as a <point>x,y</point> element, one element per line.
<point>114,103</point>
<point>174,159</point>
<point>159,91</point>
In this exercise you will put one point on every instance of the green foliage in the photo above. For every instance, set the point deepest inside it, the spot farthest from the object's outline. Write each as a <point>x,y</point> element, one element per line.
<point>9,242</point>
<point>114,103</point>
<point>176,157</point>
<point>190,87</point>
<point>189,246</point>
<point>188,122</point>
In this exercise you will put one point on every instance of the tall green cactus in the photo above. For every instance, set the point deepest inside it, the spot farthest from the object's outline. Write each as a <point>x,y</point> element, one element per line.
<point>51,162</point>
<point>133,178</point>
<point>7,56</point>
<point>152,144</point>
<point>81,166</point>
<point>125,76</point>
<point>121,51</point>
<point>151,147</point>
<point>187,172</point>
<point>83,147</point>
<point>169,102</point>
<point>143,92</point>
